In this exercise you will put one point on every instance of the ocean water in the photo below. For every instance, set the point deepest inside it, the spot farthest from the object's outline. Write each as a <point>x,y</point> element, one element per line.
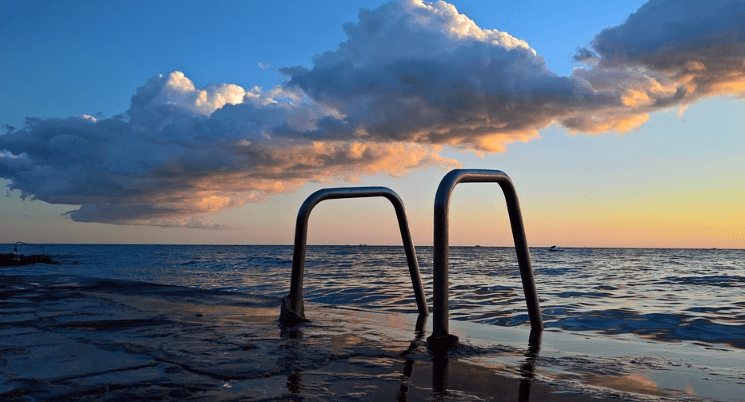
<point>630,324</point>
<point>666,295</point>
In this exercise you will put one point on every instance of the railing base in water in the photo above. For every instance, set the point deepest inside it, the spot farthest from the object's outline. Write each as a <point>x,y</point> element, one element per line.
<point>442,343</point>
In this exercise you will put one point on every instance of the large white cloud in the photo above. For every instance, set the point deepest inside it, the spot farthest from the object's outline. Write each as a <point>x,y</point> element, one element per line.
<point>410,78</point>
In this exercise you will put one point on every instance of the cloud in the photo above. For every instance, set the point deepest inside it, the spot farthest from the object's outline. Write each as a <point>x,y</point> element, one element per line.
<point>670,53</point>
<point>173,158</point>
<point>410,78</point>
<point>421,72</point>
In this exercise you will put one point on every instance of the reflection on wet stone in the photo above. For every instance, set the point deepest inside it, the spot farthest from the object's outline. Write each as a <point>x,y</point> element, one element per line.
<point>419,334</point>
<point>294,382</point>
<point>440,376</point>
<point>408,368</point>
<point>290,332</point>
<point>527,370</point>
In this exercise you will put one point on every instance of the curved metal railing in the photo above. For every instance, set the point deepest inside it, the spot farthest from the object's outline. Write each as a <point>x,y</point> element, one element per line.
<point>293,308</point>
<point>441,338</point>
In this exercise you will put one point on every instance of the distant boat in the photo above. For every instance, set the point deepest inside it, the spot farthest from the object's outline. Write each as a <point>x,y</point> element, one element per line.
<point>478,245</point>
<point>555,248</point>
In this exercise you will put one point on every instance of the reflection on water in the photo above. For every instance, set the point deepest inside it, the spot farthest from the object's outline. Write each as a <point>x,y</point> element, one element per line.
<point>472,381</point>
<point>527,370</point>
<point>441,372</point>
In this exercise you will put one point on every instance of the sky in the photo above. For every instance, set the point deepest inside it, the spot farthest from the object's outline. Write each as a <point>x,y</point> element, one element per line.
<point>171,122</point>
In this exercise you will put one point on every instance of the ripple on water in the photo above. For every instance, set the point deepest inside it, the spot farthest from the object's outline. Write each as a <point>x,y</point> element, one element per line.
<point>663,294</point>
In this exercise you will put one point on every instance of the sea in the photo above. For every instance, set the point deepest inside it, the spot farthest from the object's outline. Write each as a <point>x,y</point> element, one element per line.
<point>659,297</point>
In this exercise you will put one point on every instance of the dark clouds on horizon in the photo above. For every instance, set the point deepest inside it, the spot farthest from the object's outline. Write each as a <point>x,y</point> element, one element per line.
<point>411,78</point>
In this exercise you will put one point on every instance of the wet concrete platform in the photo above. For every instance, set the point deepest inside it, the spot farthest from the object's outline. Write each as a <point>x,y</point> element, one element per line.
<point>73,338</point>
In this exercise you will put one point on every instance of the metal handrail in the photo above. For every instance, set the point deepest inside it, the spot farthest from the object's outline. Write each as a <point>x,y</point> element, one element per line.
<point>293,308</point>
<point>441,338</point>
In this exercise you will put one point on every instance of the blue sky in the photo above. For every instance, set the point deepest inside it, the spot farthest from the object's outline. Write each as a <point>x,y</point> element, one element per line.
<point>64,59</point>
<point>673,180</point>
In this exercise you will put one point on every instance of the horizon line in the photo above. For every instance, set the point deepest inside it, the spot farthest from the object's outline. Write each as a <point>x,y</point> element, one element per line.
<point>366,245</point>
